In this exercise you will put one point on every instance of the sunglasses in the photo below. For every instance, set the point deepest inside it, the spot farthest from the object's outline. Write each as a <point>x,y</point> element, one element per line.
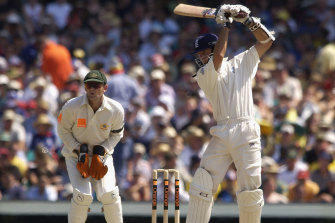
<point>95,85</point>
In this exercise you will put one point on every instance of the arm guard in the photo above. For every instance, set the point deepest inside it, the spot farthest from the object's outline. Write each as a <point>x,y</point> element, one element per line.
<point>254,23</point>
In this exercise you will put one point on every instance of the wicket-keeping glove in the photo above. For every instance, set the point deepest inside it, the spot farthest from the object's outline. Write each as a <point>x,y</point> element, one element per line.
<point>98,169</point>
<point>82,164</point>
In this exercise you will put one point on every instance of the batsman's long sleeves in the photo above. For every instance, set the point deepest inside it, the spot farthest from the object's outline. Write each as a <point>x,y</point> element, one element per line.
<point>230,90</point>
<point>78,124</point>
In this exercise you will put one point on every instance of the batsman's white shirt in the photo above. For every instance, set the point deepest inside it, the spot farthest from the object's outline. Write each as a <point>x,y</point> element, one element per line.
<point>230,90</point>
<point>236,138</point>
<point>78,124</point>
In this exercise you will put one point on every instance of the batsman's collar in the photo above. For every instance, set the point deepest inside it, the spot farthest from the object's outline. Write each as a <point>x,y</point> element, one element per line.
<point>95,76</point>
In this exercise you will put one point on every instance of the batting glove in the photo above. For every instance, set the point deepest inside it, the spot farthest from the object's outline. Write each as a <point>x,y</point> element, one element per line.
<point>239,13</point>
<point>223,15</point>
<point>82,165</point>
<point>98,169</point>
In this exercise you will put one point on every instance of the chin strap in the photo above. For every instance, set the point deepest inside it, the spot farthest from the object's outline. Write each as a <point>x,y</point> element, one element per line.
<point>254,23</point>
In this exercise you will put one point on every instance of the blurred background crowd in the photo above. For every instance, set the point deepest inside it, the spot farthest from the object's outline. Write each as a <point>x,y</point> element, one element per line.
<point>48,46</point>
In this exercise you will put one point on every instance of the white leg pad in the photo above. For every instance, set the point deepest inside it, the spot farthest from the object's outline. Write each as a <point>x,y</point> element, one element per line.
<point>79,207</point>
<point>201,197</point>
<point>112,206</point>
<point>250,205</point>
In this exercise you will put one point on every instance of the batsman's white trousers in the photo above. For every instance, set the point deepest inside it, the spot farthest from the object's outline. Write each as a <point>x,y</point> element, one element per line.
<point>104,185</point>
<point>238,141</point>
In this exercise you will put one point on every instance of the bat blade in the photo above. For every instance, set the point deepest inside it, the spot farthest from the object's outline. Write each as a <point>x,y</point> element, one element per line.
<point>194,11</point>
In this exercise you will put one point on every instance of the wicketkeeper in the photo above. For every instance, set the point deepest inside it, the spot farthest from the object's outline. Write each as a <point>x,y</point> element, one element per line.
<point>90,126</point>
<point>236,137</point>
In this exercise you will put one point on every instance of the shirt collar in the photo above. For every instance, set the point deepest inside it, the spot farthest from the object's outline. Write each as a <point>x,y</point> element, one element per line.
<point>103,105</point>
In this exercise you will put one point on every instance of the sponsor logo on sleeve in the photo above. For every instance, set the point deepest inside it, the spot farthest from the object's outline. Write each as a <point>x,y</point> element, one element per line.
<point>81,123</point>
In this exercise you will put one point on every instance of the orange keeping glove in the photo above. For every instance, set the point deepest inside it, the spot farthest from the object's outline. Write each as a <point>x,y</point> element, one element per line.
<point>97,169</point>
<point>82,165</point>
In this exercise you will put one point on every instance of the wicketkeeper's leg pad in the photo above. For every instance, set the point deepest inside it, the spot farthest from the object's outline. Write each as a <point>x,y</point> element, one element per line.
<point>79,207</point>
<point>250,205</point>
<point>112,206</point>
<point>201,197</point>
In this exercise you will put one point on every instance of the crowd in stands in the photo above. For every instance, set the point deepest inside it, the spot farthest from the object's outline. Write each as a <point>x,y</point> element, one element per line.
<point>48,46</point>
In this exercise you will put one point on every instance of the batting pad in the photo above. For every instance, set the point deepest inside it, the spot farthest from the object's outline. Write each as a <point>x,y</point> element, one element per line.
<point>79,207</point>
<point>250,205</point>
<point>201,197</point>
<point>112,206</point>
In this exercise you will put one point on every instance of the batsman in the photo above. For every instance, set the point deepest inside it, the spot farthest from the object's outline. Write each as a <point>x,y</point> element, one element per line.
<point>90,126</point>
<point>227,83</point>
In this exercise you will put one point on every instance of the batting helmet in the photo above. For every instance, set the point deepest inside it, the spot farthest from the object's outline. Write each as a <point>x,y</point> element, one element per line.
<point>204,41</point>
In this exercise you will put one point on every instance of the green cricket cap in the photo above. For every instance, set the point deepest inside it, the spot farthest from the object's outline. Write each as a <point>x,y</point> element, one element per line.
<point>95,76</point>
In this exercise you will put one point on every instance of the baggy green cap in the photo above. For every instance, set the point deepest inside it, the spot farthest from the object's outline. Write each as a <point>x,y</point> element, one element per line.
<point>95,76</point>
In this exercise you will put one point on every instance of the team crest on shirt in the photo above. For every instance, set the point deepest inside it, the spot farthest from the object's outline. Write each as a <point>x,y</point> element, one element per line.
<point>104,127</point>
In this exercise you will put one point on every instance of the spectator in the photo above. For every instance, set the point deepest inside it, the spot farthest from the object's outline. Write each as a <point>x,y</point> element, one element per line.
<point>287,140</point>
<point>323,143</point>
<point>138,188</point>
<point>185,107</point>
<point>282,83</point>
<point>152,45</point>
<point>139,74</point>
<point>138,163</point>
<point>3,91</point>
<point>100,56</point>
<point>293,165</point>
<point>157,88</point>
<point>59,10</point>
<point>271,170</point>
<point>311,131</point>
<point>170,162</point>
<point>33,12</point>
<point>159,121</point>
<point>121,87</point>
<point>5,158</point>
<point>44,162</point>
<point>41,89</point>
<point>157,153</point>
<point>10,184</point>
<point>322,174</point>
<point>303,190</point>
<point>195,145</point>
<point>9,155</point>
<point>228,190</point>
<point>327,195</point>
<point>43,190</point>
<point>42,107</point>
<point>271,185</point>
<point>138,118</point>
<point>12,125</point>
<point>44,137</point>
<point>56,60</point>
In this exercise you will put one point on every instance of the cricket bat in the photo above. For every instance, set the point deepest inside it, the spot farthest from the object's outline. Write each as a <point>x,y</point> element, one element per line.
<point>194,11</point>
<point>201,12</point>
